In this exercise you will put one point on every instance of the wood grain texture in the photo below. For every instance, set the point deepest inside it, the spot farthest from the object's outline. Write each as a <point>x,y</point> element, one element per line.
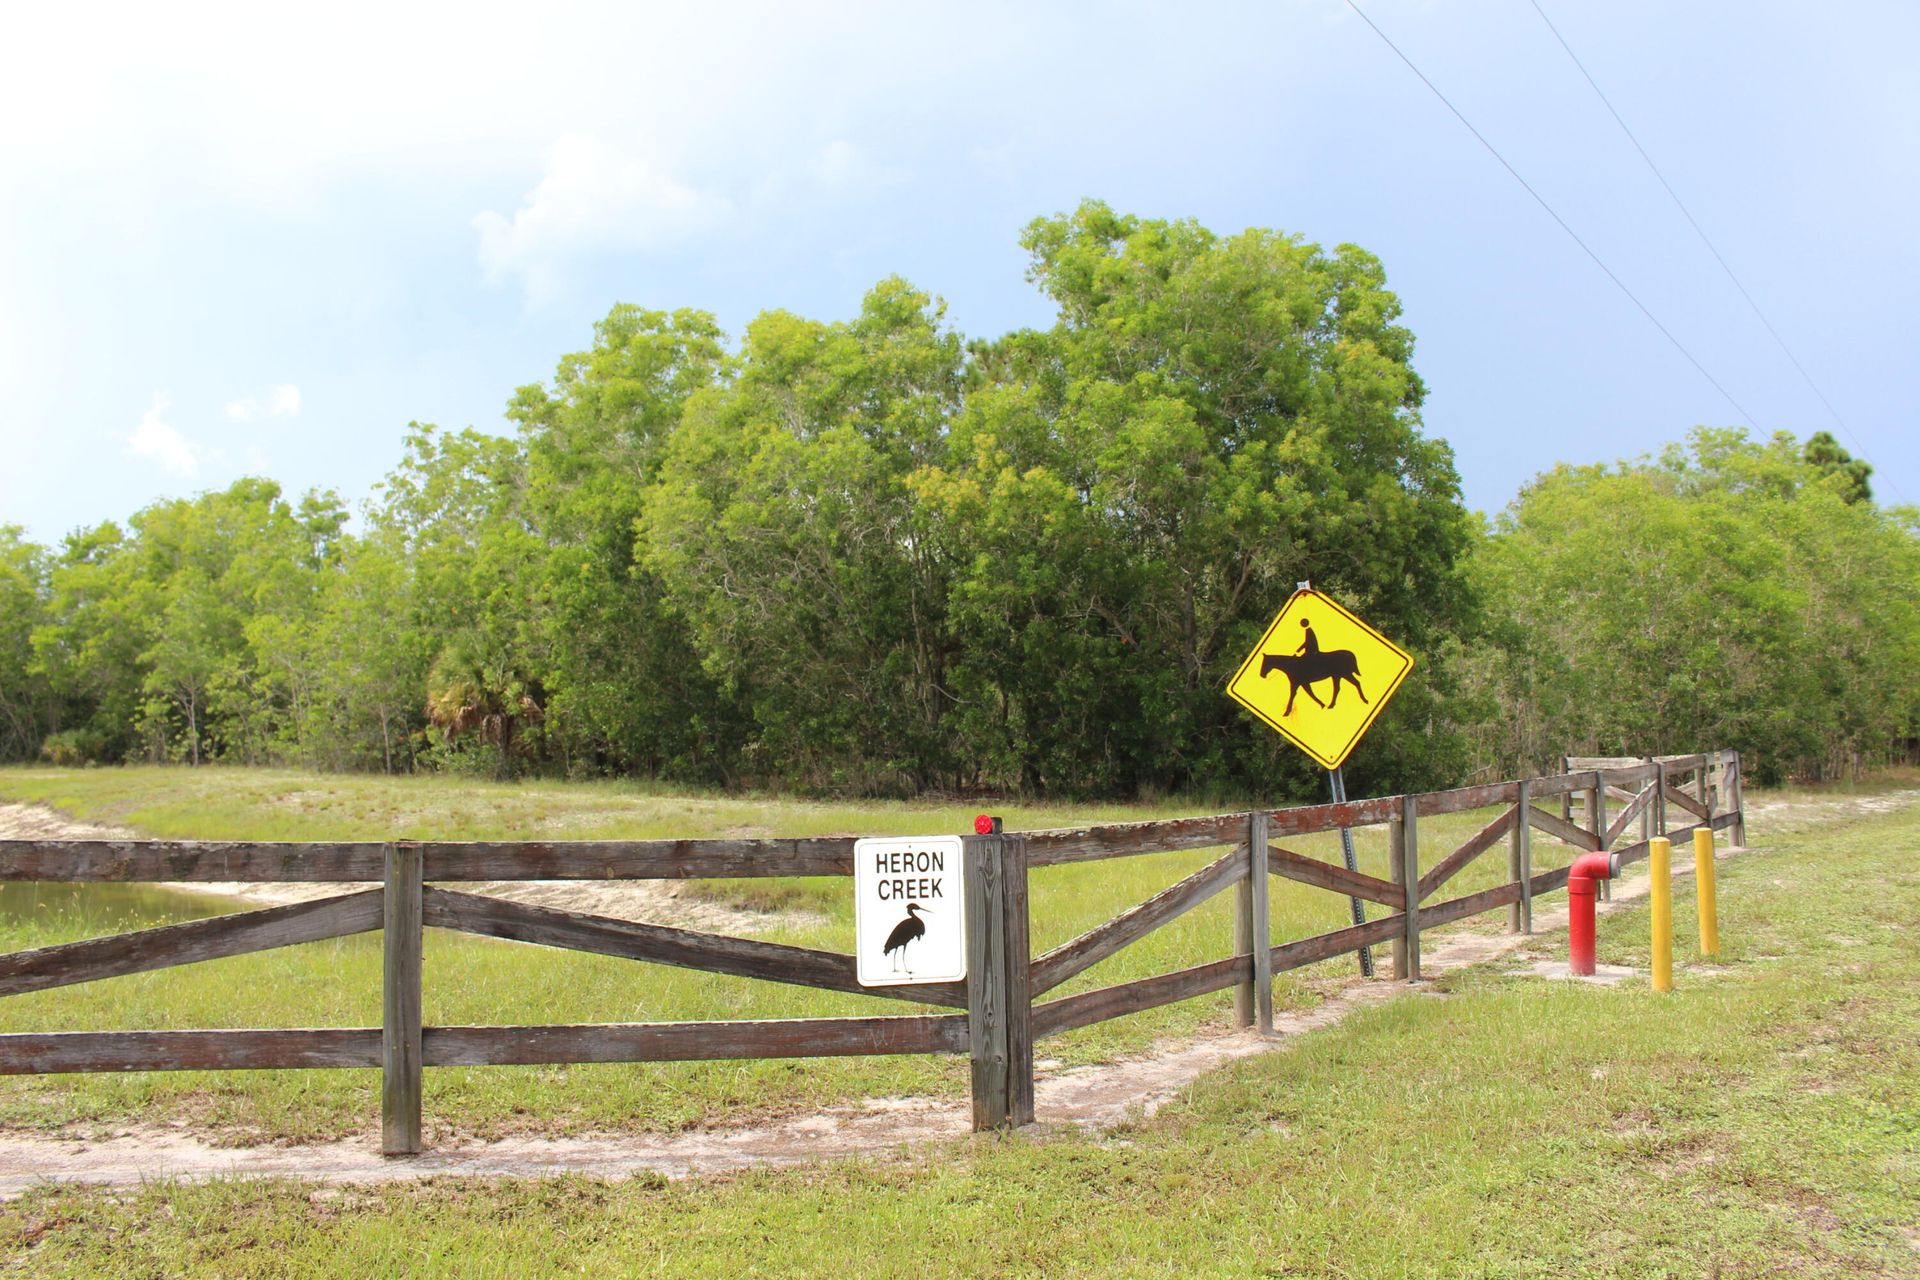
<point>1637,805</point>
<point>1520,865</point>
<point>1090,1007</point>
<point>38,1053</point>
<point>1328,875</point>
<point>1323,946</point>
<point>1500,895</point>
<point>174,944</point>
<point>1056,847</point>
<point>1260,920</point>
<point>1554,825</point>
<point>400,1002</point>
<point>639,859</point>
<point>1098,943</point>
<point>1410,878</point>
<point>190,860</point>
<point>1434,803</point>
<point>988,1041</point>
<point>1681,800</point>
<point>1312,819</point>
<point>695,1041</point>
<point>1475,845</point>
<point>661,944</point>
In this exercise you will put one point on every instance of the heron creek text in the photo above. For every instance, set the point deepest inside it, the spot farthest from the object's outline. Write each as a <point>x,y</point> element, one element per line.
<point>901,864</point>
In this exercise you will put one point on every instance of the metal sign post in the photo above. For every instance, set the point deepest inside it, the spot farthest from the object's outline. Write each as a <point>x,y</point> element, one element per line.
<point>1346,849</point>
<point>1332,650</point>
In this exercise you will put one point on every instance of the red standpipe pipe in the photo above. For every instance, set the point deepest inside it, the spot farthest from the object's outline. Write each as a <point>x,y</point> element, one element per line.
<point>1582,879</point>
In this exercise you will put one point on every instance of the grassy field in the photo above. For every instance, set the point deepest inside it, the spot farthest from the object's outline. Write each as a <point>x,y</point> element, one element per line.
<point>1763,1120</point>
<point>473,980</point>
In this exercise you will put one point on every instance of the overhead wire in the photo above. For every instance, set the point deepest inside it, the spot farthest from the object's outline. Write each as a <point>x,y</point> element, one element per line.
<point>1697,228</point>
<point>1554,214</point>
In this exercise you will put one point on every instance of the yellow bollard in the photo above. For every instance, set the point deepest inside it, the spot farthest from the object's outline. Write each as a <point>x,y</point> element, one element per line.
<point>1660,865</point>
<point>1704,891</point>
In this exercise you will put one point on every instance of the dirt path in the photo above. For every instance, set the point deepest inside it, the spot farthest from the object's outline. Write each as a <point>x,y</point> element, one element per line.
<point>1095,1097</point>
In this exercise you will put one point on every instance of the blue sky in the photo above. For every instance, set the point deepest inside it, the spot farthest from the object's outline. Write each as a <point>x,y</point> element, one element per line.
<point>260,240</point>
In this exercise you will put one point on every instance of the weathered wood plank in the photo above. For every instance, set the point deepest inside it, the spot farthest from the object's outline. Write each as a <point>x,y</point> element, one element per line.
<point>1397,868</point>
<point>639,859</point>
<point>660,944</point>
<point>1559,784</point>
<point>48,1052</point>
<point>191,860</point>
<point>1434,803</point>
<point>1056,847</point>
<point>1019,948</point>
<point>1682,800</point>
<point>197,860</point>
<point>1260,918</point>
<point>1554,825</point>
<point>1327,875</point>
<point>1089,1007</point>
<point>1475,845</point>
<point>1098,943</point>
<point>695,1041</point>
<point>1548,881</point>
<point>1409,828</point>
<point>402,956</point>
<point>1520,865</point>
<point>988,994</point>
<point>1500,895</point>
<point>1312,819</point>
<point>1636,806</point>
<point>1324,946</point>
<point>175,944</point>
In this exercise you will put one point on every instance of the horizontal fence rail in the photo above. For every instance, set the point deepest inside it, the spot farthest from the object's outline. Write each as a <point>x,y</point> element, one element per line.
<point>1593,803</point>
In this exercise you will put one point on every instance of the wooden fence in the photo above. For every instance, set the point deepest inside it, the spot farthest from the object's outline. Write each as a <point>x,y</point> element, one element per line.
<point>998,1012</point>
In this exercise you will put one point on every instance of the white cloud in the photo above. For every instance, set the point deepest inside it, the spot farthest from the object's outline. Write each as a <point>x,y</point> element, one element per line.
<point>593,198</point>
<point>842,166</point>
<point>282,402</point>
<point>155,439</point>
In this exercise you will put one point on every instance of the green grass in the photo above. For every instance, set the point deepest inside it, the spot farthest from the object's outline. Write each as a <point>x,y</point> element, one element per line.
<point>1759,1121</point>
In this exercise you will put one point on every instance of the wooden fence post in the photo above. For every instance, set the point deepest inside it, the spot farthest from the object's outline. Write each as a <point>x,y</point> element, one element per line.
<point>1646,810</point>
<point>1520,863</point>
<point>1252,933</point>
<point>1403,834</point>
<point>1659,797</point>
<point>1737,786</point>
<point>400,1062</point>
<point>1597,810</point>
<point>999,982</point>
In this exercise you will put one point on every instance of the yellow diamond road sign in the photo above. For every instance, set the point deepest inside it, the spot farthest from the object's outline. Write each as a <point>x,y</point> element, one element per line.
<point>1320,676</point>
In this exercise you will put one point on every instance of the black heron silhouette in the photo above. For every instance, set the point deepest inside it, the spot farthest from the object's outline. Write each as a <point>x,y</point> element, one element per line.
<point>908,930</point>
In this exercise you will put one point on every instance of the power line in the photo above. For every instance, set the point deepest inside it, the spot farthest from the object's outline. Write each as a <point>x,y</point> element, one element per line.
<point>1571,233</point>
<point>1698,229</point>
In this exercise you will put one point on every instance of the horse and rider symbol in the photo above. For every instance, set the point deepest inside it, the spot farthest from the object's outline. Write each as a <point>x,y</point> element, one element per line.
<point>1308,666</point>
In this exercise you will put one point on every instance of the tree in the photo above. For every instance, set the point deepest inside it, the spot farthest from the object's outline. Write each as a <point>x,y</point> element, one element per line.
<point>785,531</point>
<point>27,708</point>
<point>1210,421</point>
<point>626,690</point>
<point>1846,473</point>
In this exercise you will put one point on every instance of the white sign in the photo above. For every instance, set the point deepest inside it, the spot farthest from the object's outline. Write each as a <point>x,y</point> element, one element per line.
<point>909,910</point>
